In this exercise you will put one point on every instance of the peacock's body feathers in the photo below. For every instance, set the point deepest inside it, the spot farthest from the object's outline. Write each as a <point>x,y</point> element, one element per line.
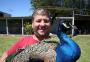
<point>39,50</point>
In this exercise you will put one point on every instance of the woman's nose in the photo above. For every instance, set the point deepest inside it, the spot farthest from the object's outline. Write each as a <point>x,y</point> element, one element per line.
<point>42,23</point>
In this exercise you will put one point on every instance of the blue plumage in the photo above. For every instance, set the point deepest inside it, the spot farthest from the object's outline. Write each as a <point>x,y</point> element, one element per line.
<point>68,50</point>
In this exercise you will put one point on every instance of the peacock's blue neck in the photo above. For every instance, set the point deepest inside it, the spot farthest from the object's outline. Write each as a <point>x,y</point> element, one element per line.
<point>68,50</point>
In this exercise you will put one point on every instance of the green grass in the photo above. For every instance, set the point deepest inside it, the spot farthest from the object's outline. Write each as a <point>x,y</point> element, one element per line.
<point>83,42</point>
<point>6,42</point>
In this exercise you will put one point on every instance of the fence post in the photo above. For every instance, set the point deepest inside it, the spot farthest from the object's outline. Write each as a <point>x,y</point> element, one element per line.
<point>22,27</point>
<point>6,26</point>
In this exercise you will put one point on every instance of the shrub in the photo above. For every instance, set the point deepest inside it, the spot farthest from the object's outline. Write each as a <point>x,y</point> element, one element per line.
<point>28,28</point>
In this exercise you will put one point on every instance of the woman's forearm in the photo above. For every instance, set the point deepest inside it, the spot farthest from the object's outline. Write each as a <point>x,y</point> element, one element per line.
<point>3,57</point>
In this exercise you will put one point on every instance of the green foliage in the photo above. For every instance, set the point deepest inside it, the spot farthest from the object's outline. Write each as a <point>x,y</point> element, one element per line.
<point>36,3</point>
<point>64,5</point>
<point>43,3</point>
<point>28,28</point>
<point>54,6</point>
<point>68,3</point>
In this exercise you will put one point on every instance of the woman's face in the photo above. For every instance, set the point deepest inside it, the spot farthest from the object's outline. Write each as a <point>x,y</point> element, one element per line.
<point>41,25</point>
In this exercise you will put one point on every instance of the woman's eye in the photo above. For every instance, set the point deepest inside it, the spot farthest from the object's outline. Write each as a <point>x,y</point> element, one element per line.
<point>46,21</point>
<point>38,20</point>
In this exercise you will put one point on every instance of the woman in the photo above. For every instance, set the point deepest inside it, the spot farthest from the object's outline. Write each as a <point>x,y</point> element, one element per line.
<point>41,24</point>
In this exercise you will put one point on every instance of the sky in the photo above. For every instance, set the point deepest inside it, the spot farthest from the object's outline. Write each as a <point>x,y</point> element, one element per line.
<point>17,8</point>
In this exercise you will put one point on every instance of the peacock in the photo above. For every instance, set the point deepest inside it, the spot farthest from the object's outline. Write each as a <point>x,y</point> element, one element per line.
<point>67,50</point>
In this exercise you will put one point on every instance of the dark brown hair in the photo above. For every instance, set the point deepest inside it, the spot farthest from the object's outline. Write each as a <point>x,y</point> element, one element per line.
<point>41,11</point>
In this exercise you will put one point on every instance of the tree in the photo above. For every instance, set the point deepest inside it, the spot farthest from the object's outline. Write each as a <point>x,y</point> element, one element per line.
<point>55,6</point>
<point>62,6</point>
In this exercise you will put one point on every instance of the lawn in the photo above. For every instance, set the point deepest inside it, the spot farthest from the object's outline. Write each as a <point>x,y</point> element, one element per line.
<point>84,43</point>
<point>82,40</point>
<point>6,42</point>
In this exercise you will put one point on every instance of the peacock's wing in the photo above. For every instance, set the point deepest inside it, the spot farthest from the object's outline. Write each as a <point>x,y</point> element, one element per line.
<point>38,50</point>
